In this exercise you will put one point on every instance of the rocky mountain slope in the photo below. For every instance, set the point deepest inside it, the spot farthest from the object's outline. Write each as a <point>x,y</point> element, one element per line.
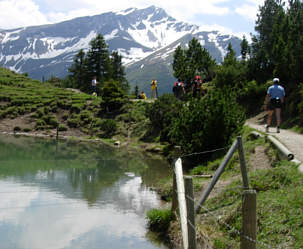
<point>149,34</point>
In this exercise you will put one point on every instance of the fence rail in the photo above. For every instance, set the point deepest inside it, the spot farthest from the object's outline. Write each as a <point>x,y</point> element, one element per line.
<point>184,198</point>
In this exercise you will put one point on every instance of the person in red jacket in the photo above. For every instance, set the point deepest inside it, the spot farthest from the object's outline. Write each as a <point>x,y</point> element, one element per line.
<point>178,89</point>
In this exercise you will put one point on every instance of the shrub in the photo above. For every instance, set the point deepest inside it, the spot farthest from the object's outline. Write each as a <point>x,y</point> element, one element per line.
<point>73,122</point>
<point>162,113</point>
<point>65,116</point>
<point>113,96</point>
<point>207,123</point>
<point>40,124</point>
<point>77,108</point>
<point>62,127</point>
<point>27,129</point>
<point>109,127</point>
<point>159,220</point>
<point>17,128</point>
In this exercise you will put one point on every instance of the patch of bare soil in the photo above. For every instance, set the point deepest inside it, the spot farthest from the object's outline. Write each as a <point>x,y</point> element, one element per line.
<point>7,125</point>
<point>259,160</point>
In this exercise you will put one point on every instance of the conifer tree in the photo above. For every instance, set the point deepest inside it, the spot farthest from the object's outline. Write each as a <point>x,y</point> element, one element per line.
<point>191,61</point>
<point>245,49</point>
<point>80,72</point>
<point>98,60</point>
<point>118,71</point>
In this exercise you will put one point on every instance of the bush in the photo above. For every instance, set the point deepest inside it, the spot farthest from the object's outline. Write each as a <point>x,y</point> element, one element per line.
<point>109,127</point>
<point>17,128</point>
<point>65,116</point>
<point>113,96</point>
<point>73,122</point>
<point>76,108</point>
<point>207,123</point>
<point>40,124</point>
<point>159,220</point>
<point>62,127</point>
<point>162,113</point>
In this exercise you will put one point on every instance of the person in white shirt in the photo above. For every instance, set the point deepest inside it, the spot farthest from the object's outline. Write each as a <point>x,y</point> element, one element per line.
<point>94,84</point>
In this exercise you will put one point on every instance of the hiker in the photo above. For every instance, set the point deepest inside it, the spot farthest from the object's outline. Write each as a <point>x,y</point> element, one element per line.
<point>196,86</point>
<point>142,95</point>
<point>154,93</point>
<point>94,85</point>
<point>178,89</point>
<point>273,102</point>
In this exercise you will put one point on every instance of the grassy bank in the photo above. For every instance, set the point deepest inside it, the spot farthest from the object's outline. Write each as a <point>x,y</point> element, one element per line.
<point>279,200</point>
<point>32,107</point>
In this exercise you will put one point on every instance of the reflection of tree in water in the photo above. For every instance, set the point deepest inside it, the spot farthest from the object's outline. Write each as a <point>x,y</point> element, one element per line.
<point>74,169</point>
<point>91,181</point>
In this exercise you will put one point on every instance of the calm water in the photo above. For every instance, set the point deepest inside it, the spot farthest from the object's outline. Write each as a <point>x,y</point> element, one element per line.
<point>74,195</point>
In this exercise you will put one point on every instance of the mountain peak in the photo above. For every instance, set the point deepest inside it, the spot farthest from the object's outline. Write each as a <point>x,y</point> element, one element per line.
<point>135,33</point>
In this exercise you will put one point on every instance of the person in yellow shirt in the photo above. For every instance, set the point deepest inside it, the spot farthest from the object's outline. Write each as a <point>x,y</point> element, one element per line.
<point>154,89</point>
<point>143,95</point>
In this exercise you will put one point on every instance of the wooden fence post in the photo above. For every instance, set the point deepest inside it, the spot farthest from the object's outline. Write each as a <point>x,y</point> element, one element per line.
<point>174,204</point>
<point>249,220</point>
<point>182,202</point>
<point>190,206</point>
<point>242,163</point>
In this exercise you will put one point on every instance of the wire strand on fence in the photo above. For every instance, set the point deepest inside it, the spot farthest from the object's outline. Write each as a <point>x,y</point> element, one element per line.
<point>231,228</point>
<point>204,152</point>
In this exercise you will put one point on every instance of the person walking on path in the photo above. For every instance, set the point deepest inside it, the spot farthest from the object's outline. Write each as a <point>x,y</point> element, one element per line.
<point>154,89</point>
<point>94,85</point>
<point>273,102</point>
<point>178,89</point>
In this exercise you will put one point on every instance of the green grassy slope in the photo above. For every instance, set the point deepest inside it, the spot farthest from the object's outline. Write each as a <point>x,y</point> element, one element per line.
<point>31,106</point>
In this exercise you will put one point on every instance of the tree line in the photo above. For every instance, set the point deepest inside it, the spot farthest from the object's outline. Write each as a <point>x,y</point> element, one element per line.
<point>276,50</point>
<point>99,62</point>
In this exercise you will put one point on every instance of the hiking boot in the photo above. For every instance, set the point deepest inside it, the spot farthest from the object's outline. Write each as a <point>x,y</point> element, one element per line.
<point>278,129</point>
<point>266,128</point>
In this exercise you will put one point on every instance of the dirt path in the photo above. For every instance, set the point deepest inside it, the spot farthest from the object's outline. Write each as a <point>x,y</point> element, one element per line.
<point>293,141</point>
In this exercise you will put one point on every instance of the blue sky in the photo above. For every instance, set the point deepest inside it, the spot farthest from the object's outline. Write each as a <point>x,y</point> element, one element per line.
<point>230,16</point>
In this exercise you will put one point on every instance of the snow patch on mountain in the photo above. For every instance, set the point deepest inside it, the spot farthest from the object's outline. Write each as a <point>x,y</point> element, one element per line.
<point>213,37</point>
<point>112,35</point>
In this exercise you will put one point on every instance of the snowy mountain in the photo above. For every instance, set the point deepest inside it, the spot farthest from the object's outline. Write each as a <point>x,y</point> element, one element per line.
<point>137,34</point>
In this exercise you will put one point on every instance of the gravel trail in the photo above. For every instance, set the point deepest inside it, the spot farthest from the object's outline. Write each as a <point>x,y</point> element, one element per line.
<point>292,140</point>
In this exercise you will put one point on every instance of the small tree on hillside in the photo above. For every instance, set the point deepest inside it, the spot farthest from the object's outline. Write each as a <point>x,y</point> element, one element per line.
<point>194,60</point>
<point>79,71</point>
<point>98,60</point>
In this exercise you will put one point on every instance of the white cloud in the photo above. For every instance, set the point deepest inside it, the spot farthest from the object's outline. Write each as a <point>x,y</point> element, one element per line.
<point>15,13</point>
<point>247,11</point>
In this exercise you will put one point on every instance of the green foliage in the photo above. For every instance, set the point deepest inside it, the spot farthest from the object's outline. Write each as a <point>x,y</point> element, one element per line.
<point>207,123</point>
<point>97,62</point>
<point>159,220</point>
<point>113,96</point>
<point>277,50</point>
<point>62,127</point>
<point>161,115</point>
<point>108,127</point>
<point>194,60</point>
<point>17,128</point>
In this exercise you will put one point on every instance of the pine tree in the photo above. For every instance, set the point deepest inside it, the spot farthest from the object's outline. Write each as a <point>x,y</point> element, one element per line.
<point>98,60</point>
<point>118,71</point>
<point>194,60</point>
<point>262,64</point>
<point>179,63</point>
<point>80,74</point>
<point>245,49</point>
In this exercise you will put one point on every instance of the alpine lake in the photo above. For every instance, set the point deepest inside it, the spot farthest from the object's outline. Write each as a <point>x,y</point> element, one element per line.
<point>68,194</point>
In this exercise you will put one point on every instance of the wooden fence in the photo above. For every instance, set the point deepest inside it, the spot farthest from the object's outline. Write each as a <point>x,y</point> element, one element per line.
<point>183,198</point>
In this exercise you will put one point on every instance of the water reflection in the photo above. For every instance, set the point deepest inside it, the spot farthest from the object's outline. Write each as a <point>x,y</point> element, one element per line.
<point>89,197</point>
